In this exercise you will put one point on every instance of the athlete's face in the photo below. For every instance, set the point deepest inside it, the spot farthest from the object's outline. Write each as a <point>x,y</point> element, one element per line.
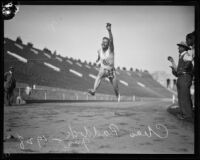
<point>105,43</point>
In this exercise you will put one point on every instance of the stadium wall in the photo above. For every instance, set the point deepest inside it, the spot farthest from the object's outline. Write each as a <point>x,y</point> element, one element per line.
<point>51,94</point>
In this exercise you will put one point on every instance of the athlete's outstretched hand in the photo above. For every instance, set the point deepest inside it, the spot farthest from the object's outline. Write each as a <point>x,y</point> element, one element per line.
<point>108,26</point>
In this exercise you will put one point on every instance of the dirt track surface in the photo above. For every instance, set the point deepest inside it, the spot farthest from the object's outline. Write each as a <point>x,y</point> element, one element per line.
<point>107,127</point>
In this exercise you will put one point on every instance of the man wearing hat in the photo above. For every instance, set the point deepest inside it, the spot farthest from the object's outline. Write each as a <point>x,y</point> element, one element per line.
<point>9,85</point>
<point>184,73</point>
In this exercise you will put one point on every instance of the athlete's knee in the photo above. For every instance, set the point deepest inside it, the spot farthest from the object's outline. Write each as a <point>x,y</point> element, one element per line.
<point>99,77</point>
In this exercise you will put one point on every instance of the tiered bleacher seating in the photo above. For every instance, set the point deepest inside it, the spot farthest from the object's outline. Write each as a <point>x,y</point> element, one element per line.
<point>73,74</point>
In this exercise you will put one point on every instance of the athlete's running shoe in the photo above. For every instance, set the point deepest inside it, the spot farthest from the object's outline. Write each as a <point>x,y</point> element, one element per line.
<point>91,91</point>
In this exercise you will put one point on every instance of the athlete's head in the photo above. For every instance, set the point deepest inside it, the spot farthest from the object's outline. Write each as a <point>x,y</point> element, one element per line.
<point>105,42</point>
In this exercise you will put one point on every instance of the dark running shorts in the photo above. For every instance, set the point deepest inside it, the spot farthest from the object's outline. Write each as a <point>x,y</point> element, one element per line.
<point>109,73</point>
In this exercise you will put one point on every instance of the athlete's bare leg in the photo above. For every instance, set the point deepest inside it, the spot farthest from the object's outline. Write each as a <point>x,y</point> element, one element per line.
<point>114,82</point>
<point>97,82</point>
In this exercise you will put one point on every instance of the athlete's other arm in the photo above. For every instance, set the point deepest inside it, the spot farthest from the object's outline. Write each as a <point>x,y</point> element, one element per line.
<point>108,27</point>
<point>98,58</point>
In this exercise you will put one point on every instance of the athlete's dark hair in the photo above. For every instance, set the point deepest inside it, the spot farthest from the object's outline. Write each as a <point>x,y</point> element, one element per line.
<point>106,38</point>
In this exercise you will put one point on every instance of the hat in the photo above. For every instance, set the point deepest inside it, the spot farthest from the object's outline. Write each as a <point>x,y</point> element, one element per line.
<point>183,44</point>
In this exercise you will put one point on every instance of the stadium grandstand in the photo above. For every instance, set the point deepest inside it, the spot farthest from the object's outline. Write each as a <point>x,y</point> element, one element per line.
<point>52,73</point>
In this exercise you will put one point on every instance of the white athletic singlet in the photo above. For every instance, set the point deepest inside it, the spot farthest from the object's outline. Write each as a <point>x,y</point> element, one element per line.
<point>106,59</point>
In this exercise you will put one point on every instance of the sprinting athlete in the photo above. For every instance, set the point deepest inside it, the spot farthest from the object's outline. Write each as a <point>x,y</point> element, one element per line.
<point>106,58</point>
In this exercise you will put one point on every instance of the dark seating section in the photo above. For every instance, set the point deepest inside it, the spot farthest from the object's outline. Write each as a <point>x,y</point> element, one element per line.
<point>35,72</point>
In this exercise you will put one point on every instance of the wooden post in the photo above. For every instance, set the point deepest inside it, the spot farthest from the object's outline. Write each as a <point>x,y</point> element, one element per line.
<point>19,93</point>
<point>173,99</point>
<point>45,95</point>
<point>63,96</point>
<point>133,98</point>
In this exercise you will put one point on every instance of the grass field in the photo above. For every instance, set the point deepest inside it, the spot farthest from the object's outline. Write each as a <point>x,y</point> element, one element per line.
<point>106,127</point>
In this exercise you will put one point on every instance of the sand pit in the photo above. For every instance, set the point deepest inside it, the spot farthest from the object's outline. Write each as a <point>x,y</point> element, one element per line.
<point>106,127</point>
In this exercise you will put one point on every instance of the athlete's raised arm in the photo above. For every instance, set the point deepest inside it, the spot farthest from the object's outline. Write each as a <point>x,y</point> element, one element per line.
<point>108,27</point>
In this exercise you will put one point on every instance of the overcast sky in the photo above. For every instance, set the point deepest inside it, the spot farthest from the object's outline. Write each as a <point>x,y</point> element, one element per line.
<point>143,35</point>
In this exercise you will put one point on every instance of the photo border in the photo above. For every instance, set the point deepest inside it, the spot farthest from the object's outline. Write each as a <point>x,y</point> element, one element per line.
<point>116,156</point>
